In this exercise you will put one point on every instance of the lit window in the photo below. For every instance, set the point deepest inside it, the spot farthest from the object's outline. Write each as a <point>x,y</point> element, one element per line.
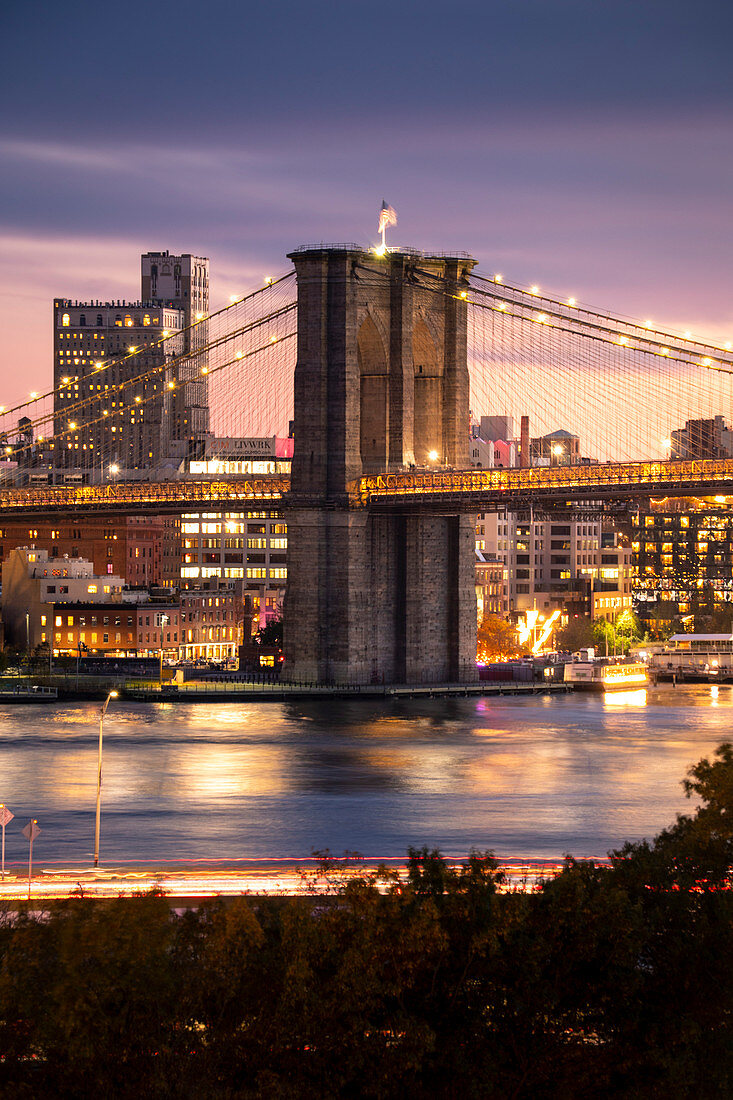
<point>92,588</point>
<point>65,320</point>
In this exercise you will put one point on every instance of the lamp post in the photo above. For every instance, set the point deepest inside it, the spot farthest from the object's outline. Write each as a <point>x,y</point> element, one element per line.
<point>102,712</point>
<point>80,648</point>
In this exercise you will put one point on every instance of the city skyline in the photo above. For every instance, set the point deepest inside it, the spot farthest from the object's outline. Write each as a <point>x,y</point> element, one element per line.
<point>586,150</point>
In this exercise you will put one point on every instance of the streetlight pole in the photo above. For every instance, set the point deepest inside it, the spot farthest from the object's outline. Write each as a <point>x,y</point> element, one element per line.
<point>102,712</point>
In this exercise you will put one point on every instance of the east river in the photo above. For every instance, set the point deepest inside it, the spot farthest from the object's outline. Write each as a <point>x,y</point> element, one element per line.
<point>527,777</point>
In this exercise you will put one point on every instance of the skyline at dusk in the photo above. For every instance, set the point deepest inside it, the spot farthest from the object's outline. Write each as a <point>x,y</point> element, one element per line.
<point>581,148</point>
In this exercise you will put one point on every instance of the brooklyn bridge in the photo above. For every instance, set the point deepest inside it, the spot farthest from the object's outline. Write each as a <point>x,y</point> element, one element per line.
<point>377,360</point>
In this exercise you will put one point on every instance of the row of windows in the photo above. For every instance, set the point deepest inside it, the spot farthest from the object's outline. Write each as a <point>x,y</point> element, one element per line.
<point>128,321</point>
<point>94,619</point>
<point>93,638</point>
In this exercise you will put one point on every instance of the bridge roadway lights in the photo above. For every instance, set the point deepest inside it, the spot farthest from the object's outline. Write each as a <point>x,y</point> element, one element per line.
<point>467,490</point>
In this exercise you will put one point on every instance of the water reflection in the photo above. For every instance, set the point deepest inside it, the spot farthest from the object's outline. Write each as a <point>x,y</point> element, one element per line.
<point>635,698</point>
<point>525,776</point>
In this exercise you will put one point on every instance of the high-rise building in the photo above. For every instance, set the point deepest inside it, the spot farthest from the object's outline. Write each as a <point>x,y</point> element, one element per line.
<point>161,416</point>
<point>246,546</point>
<point>683,563</point>
<point>184,282</point>
<point>99,347</point>
<point>573,565</point>
<point>700,439</point>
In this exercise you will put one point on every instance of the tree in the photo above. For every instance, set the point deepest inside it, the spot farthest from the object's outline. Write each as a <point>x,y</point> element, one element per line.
<point>496,638</point>
<point>578,634</point>
<point>271,634</point>
<point>610,980</point>
<point>663,619</point>
<point>617,637</point>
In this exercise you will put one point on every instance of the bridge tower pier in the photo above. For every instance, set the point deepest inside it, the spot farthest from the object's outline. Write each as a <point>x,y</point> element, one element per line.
<point>381,384</point>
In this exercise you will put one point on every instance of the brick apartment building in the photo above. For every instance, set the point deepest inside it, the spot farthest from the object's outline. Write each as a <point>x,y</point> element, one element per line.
<point>143,550</point>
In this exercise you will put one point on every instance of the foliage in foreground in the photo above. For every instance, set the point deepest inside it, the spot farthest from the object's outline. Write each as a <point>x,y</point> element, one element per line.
<point>614,981</point>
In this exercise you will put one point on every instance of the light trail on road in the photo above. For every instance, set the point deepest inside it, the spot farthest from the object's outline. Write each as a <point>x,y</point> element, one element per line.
<point>267,879</point>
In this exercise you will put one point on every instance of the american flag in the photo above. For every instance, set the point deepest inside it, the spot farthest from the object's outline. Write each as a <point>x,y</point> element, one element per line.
<point>387,217</point>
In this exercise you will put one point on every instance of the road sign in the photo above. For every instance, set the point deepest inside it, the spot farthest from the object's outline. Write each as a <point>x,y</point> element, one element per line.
<point>5,816</point>
<point>31,830</point>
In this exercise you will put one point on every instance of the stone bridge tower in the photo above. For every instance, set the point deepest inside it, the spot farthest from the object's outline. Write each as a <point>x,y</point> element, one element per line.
<point>381,384</point>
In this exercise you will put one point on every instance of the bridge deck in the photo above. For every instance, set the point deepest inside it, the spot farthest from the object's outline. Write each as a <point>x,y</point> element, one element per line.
<point>478,490</point>
<point>460,490</point>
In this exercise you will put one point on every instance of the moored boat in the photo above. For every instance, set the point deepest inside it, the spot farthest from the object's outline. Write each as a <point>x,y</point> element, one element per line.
<point>600,676</point>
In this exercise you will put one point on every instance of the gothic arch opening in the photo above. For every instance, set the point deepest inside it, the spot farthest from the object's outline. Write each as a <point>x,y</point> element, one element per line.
<point>374,402</point>
<point>428,430</point>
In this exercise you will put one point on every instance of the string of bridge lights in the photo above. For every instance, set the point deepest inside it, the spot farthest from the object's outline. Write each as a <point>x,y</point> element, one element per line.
<point>152,372</point>
<point>199,318</point>
<point>614,327</point>
<point>78,406</point>
<point>611,332</point>
<point>140,402</point>
<point>523,304</point>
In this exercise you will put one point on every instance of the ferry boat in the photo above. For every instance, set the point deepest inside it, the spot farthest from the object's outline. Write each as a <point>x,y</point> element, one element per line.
<point>598,676</point>
<point>694,658</point>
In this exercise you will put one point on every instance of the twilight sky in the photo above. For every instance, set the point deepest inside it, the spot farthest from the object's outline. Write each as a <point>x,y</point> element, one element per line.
<point>579,144</point>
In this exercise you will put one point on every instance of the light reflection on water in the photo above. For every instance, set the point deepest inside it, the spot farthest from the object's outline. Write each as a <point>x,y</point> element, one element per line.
<point>635,698</point>
<point>527,777</point>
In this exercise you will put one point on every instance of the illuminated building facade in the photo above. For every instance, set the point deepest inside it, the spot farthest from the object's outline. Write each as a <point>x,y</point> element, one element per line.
<point>162,416</point>
<point>490,579</point>
<point>574,565</point>
<point>611,593</point>
<point>158,626</point>
<point>33,584</point>
<point>212,618</point>
<point>247,546</point>
<point>143,550</point>
<point>116,629</point>
<point>683,563</point>
<point>93,354</point>
<point>243,455</point>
